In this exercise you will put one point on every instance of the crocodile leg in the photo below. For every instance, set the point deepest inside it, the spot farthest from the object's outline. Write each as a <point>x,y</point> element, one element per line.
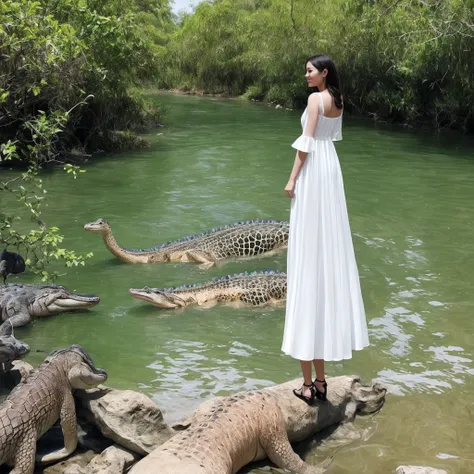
<point>69,427</point>
<point>199,256</point>
<point>21,318</point>
<point>24,460</point>
<point>277,447</point>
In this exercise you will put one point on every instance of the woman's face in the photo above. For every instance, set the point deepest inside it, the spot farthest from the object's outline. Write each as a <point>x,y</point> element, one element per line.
<point>314,77</point>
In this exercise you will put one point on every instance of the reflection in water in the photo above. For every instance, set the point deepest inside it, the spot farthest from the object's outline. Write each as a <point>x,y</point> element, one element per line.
<point>400,383</point>
<point>401,322</point>
<point>187,373</point>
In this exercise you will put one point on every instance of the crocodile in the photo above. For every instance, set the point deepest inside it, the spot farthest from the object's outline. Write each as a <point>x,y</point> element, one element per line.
<point>226,433</point>
<point>37,402</point>
<point>10,348</point>
<point>20,303</point>
<point>249,239</point>
<point>255,289</point>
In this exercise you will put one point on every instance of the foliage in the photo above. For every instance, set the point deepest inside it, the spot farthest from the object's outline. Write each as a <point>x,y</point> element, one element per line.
<point>70,78</point>
<point>401,60</point>
<point>42,243</point>
<point>54,55</point>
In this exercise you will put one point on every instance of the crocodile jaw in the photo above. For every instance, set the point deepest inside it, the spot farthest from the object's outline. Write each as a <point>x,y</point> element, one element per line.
<point>86,379</point>
<point>72,302</point>
<point>156,299</point>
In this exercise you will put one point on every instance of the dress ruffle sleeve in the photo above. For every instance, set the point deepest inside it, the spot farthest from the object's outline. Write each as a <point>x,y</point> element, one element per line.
<point>305,143</point>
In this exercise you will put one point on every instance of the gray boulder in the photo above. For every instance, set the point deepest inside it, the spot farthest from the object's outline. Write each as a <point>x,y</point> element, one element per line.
<point>11,378</point>
<point>129,418</point>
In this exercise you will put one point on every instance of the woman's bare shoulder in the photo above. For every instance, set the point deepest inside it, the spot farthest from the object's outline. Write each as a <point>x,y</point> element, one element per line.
<point>313,99</point>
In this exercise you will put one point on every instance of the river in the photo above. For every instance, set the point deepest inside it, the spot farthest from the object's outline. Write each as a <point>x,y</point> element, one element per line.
<point>410,198</point>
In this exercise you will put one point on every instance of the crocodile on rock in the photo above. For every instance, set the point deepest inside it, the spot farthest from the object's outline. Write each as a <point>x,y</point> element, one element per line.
<point>238,240</point>
<point>20,303</point>
<point>35,405</point>
<point>226,433</point>
<point>255,289</point>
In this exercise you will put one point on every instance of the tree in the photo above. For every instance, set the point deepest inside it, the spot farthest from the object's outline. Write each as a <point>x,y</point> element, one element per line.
<point>70,78</point>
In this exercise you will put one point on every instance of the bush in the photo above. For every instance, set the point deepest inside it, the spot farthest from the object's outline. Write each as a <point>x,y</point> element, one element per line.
<point>69,74</point>
<point>254,92</point>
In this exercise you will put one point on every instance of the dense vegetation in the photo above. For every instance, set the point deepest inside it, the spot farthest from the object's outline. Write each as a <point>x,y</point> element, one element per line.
<point>70,78</point>
<point>402,60</point>
<point>73,66</point>
<point>72,74</point>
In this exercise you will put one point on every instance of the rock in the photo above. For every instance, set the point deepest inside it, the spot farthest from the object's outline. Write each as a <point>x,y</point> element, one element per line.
<point>419,470</point>
<point>114,460</point>
<point>90,437</point>
<point>11,378</point>
<point>22,367</point>
<point>129,418</point>
<point>80,459</point>
<point>264,470</point>
<point>348,396</point>
<point>74,469</point>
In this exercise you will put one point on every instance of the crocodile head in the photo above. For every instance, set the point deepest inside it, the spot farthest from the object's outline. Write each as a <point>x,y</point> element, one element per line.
<point>157,297</point>
<point>82,372</point>
<point>10,347</point>
<point>53,299</point>
<point>100,226</point>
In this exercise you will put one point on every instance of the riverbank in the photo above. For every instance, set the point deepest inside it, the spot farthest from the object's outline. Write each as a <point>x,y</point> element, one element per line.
<point>420,125</point>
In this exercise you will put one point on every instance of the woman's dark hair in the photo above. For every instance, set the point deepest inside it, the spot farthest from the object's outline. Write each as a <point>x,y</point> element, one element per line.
<point>322,62</point>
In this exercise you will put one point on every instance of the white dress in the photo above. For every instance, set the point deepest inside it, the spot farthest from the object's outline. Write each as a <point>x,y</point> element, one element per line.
<point>325,317</point>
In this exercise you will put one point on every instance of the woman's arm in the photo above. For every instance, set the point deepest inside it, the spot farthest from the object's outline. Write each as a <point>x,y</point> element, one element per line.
<point>295,171</point>
<point>304,143</point>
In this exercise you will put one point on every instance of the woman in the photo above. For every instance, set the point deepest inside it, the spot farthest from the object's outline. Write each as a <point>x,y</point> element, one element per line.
<point>325,317</point>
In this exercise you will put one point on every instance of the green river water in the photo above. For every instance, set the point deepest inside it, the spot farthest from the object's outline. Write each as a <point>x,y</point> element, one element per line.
<point>410,198</point>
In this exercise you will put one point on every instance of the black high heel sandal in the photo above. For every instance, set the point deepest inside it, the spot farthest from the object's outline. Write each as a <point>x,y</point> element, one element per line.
<point>308,400</point>
<point>321,395</point>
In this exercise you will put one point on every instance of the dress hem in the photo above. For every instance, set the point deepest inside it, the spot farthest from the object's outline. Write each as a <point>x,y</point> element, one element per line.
<point>329,359</point>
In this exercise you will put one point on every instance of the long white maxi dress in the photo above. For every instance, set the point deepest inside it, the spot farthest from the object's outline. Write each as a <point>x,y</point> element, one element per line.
<point>325,317</point>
